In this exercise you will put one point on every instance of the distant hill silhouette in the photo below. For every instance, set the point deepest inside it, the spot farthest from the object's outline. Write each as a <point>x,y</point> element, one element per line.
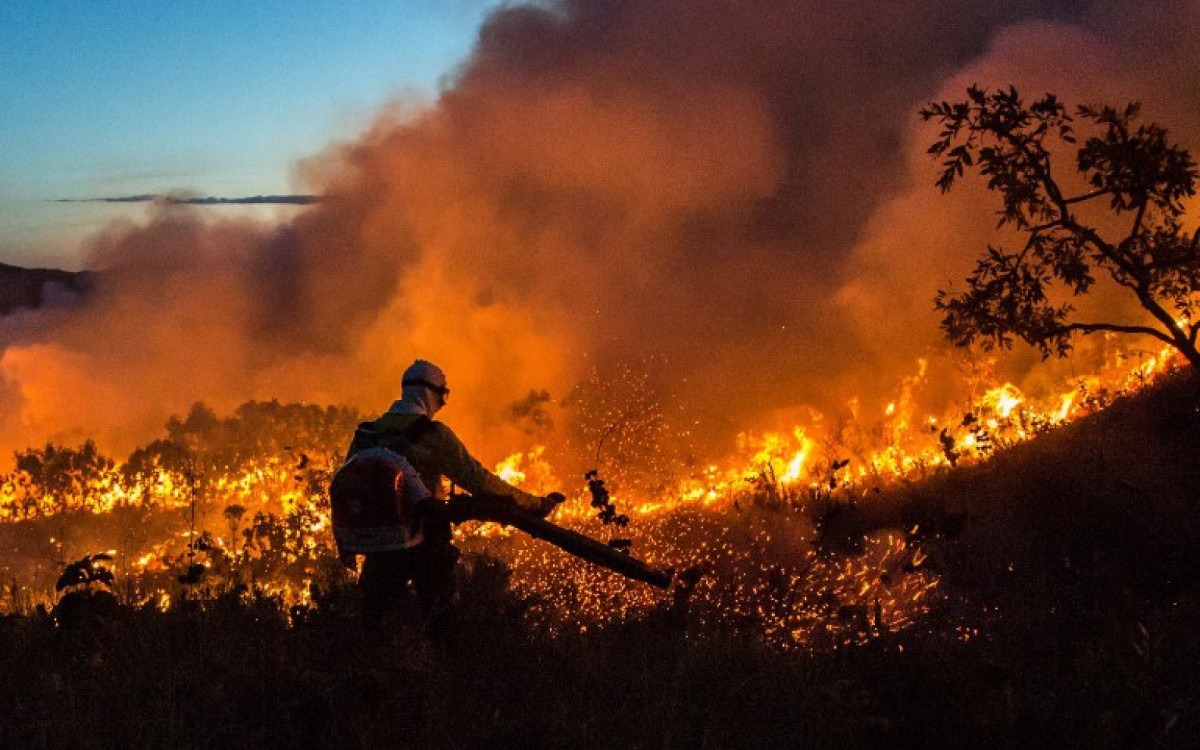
<point>32,287</point>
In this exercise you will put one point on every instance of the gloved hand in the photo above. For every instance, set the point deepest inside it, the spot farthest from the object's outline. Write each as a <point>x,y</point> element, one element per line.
<point>549,503</point>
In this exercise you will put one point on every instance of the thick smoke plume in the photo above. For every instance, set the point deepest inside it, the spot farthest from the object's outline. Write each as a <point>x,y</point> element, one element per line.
<point>733,196</point>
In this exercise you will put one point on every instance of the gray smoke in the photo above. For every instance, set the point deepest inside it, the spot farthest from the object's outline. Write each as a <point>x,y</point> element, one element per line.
<point>732,195</point>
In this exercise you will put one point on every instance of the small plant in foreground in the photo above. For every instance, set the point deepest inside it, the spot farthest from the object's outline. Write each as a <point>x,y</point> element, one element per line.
<point>86,598</point>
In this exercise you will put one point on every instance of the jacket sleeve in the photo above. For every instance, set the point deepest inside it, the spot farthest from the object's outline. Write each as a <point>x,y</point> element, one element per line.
<point>464,470</point>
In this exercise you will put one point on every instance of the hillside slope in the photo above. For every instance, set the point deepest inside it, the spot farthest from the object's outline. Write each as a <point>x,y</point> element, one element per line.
<point>1065,618</point>
<point>1107,506</point>
<point>32,287</point>
<point>1071,564</point>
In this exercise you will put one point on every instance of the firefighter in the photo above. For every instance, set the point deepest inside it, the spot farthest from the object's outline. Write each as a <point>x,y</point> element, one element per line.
<point>435,452</point>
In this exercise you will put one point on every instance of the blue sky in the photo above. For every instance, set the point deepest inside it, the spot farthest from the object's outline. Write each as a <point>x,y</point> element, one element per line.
<point>108,98</point>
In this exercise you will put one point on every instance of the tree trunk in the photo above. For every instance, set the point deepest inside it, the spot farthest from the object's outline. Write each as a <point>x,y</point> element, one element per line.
<point>1189,351</point>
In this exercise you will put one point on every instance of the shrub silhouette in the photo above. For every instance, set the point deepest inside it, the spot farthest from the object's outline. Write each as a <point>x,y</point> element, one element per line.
<point>85,601</point>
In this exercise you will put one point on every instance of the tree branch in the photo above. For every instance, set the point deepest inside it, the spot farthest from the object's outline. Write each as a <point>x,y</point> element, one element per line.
<point>1029,243</point>
<point>1108,250</point>
<point>1175,335</point>
<point>1043,227</point>
<point>1086,197</point>
<point>1119,281</point>
<point>1066,220</point>
<point>1086,328</point>
<point>1043,173</point>
<point>1137,220</point>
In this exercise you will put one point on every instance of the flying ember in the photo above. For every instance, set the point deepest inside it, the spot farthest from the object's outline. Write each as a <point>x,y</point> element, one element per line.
<point>219,506</point>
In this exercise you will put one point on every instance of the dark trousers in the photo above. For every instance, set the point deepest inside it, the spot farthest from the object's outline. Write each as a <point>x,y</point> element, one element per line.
<point>429,567</point>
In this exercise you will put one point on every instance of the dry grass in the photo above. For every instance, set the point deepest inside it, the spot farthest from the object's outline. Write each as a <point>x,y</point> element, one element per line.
<point>1076,557</point>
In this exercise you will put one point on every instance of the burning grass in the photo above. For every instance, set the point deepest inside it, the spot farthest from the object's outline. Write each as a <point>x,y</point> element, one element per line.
<point>788,538</point>
<point>1045,597</point>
